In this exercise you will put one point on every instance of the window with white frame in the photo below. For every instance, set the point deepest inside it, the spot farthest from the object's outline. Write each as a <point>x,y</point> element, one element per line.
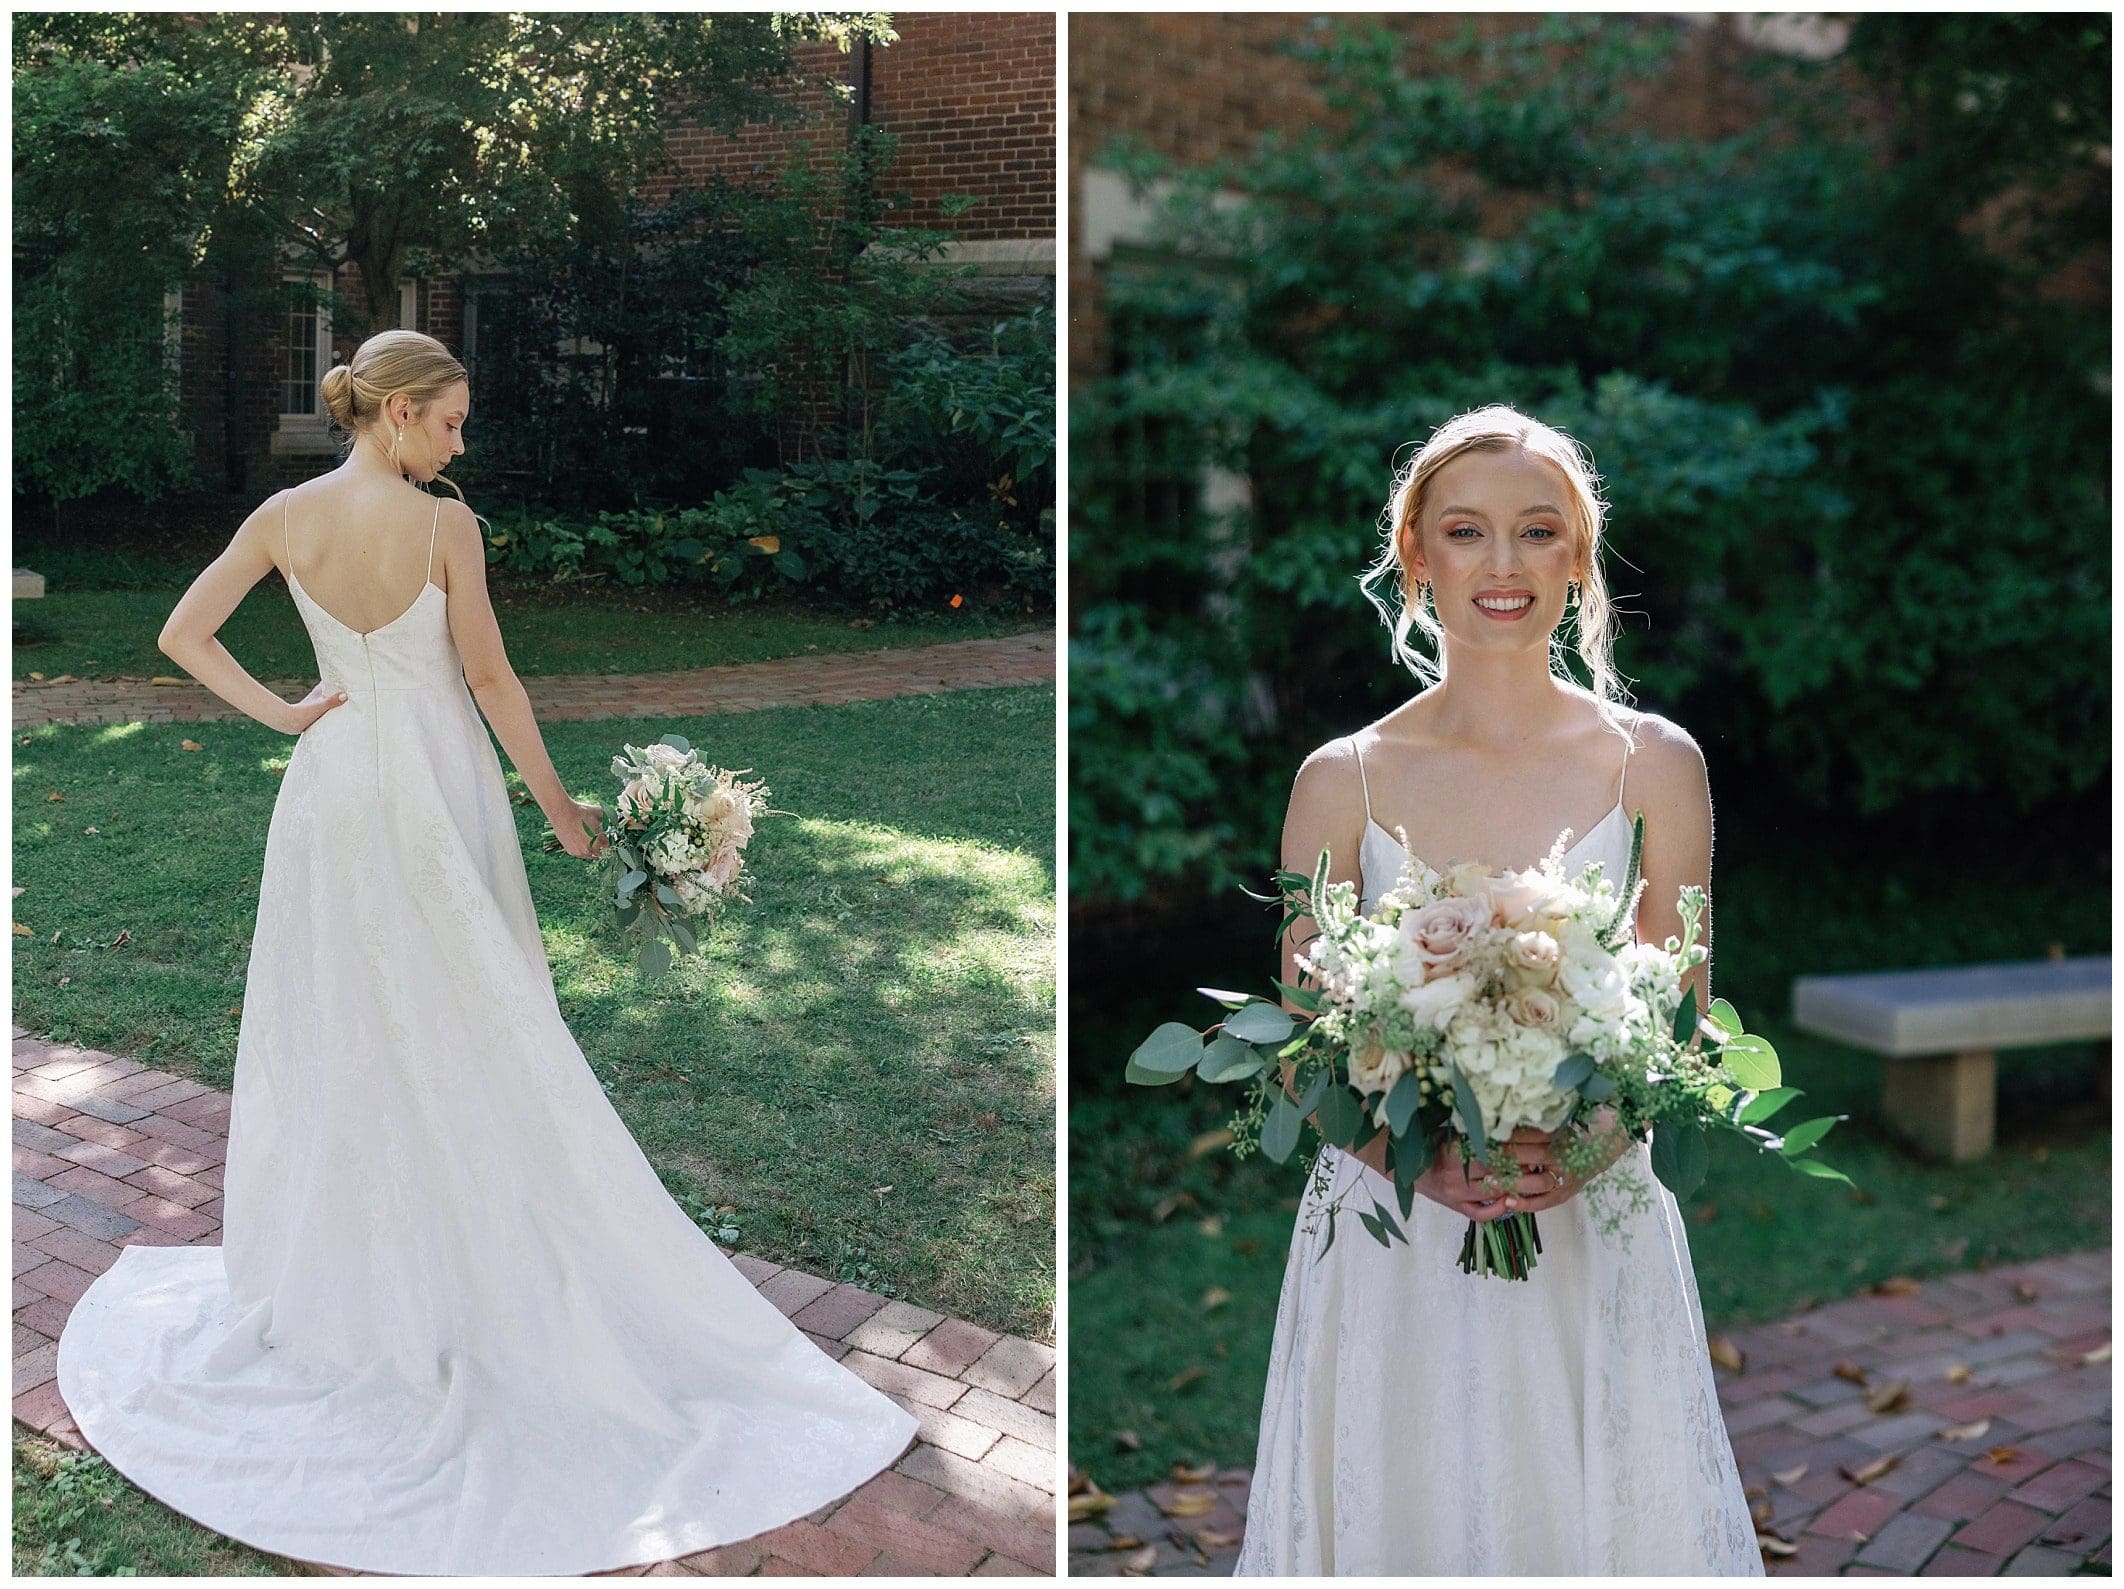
<point>306,352</point>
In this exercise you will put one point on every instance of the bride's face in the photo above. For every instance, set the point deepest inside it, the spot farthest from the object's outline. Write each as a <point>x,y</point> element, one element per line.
<point>435,436</point>
<point>1495,541</point>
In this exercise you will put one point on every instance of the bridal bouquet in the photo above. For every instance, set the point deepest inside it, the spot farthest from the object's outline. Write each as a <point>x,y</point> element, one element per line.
<point>1469,1005</point>
<point>678,833</point>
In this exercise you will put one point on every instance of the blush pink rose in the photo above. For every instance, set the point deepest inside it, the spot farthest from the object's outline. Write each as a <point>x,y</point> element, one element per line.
<point>1442,932</point>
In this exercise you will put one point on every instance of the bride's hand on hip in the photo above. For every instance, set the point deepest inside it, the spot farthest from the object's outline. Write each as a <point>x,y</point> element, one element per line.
<point>301,714</point>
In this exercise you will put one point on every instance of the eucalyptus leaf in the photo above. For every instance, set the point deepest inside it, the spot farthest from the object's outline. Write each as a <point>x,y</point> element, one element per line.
<point>1680,1156</point>
<point>668,896</point>
<point>1171,1051</point>
<point>1340,1116</point>
<point>1725,1018</point>
<point>655,958</point>
<point>677,742</point>
<point>1228,1059</point>
<point>1307,999</point>
<point>1401,1103</point>
<point>1467,1106</point>
<point>1279,1132</point>
<point>1387,1220</point>
<point>1313,1091</point>
<point>1572,1071</point>
<point>682,934</point>
<point>1372,1224</point>
<point>1261,1022</point>
<point>632,881</point>
<point>1598,1087</point>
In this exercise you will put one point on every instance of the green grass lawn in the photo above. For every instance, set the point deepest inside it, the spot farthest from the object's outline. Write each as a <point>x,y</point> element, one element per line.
<point>75,1516</point>
<point>107,632</point>
<point>863,1064</point>
<point>1177,1256</point>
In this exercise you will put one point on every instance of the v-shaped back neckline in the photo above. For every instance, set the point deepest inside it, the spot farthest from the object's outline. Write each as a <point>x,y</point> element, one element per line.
<point>295,585</point>
<point>427,583</point>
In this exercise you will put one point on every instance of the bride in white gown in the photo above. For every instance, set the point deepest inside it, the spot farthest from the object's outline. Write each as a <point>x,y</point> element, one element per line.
<point>1419,1420</point>
<point>456,1325</point>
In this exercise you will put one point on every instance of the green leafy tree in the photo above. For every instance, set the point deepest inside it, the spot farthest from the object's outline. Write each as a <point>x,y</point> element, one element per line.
<point>1855,455</point>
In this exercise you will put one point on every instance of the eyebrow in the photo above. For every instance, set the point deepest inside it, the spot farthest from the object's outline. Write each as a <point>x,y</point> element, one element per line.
<point>1525,513</point>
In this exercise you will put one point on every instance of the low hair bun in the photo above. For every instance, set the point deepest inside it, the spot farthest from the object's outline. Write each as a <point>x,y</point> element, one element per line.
<point>337,390</point>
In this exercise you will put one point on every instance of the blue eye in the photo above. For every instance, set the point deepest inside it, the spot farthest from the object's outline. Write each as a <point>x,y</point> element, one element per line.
<point>1456,529</point>
<point>1542,529</point>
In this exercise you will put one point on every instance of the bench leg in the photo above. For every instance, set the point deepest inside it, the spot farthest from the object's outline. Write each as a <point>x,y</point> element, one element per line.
<point>1944,1102</point>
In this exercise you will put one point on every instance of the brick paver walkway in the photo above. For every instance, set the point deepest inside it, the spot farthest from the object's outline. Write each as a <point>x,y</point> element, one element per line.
<point>824,680</point>
<point>111,1153</point>
<point>1958,1426</point>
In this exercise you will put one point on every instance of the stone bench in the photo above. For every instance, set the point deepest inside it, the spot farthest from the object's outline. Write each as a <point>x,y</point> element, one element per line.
<point>28,584</point>
<point>1941,1029</point>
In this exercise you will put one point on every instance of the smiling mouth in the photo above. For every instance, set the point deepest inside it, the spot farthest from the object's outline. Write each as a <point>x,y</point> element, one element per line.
<point>1504,606</point>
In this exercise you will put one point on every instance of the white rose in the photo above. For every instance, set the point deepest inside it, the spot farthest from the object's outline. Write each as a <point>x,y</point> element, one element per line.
<point>1434,1004</point>
<point>1375,1069</point>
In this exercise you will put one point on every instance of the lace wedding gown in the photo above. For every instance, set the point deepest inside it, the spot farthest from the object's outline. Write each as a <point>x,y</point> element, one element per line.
<point>1419,1420</point>
<point>457,1325</point>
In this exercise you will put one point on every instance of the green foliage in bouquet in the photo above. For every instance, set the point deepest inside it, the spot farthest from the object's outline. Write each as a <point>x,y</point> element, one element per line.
<point>1729,1082</point>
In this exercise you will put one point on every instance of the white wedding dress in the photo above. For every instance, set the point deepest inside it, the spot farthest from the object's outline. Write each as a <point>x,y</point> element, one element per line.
<point>457,1326</point>
<point>1423,1421</point>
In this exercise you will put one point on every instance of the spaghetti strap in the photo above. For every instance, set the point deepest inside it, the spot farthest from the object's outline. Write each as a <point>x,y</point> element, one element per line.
<point>287,548</point>
<point>1629,744</point>
<point>1364,782</point>
<point>432,523</point>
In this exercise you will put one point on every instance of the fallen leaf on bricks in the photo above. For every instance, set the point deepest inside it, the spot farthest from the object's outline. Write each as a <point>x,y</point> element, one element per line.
<point>36,678</point>
<point>1871,1471</point>
<point>1140,1562</point>
<point>164,678</point>
<point>1773,1546</point>
<point>1190,1503</point>
<point>1791,1476</point>
<point>1888,1396</point>
<point>1966,1431</point>
<point>1186,1473</point>
<point>1126,1542</point>
<point>1958,1373</point>
<point>2024,1291</point>
<point>1726,1354</point>
<point>2003,1454</point>
<point>1850,1371</point>
<point>1895,1286</point>
<point>2099,1355</point>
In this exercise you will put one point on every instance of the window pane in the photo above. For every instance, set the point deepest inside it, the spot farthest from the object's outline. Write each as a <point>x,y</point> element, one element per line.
<point>298,386</point>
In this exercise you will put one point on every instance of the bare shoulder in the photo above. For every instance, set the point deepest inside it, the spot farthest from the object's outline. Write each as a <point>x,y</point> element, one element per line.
<point>1329,778</point>
<point>459,540</point>
<point>1663,752</point>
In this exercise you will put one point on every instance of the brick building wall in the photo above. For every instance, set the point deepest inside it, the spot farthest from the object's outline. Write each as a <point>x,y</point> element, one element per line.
<point>969,96</point>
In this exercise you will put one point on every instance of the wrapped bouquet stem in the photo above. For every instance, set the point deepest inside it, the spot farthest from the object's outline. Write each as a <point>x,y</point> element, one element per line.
<point>1470,1005</point>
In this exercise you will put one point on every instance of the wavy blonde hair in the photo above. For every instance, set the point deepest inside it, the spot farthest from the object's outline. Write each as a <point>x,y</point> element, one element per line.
<point>1391,588</point>
<point>387,364</point>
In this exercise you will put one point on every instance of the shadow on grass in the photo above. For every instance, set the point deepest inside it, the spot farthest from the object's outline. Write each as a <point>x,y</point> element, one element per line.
<point>862,1063</point>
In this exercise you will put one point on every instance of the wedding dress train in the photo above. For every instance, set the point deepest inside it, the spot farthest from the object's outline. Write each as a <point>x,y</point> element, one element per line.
<point>456,1324</point>
<point>1419,1420</point>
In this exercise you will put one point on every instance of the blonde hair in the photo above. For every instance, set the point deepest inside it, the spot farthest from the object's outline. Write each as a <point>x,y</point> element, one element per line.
<point>385,365</point>
<point>1390,587</point>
